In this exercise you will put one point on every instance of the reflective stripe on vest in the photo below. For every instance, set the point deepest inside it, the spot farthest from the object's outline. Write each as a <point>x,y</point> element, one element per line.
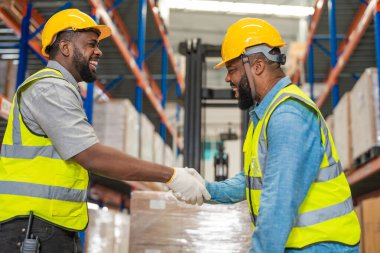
<point>42,191</point>
<point>327,213</point>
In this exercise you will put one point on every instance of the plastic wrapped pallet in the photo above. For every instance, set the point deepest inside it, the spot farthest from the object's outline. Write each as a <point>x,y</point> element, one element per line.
<point>107,231</point>
<point>365,125</point>
<point>158,152</point>
<point>342,131</point>
<point>147,139</point>
<point>161,224</point>
<point>121,233</point>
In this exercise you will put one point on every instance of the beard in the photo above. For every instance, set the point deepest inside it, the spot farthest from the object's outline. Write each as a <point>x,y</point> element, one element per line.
<point>245,100</point>
<point>83,67</point>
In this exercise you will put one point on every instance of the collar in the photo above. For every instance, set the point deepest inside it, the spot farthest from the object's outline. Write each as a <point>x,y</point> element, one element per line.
<point>66,74</point>
<point>258,112</point>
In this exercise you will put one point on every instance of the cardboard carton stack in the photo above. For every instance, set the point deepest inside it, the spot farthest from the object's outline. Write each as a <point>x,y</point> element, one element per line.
<point>168,156</point>
<point>158,152</point>
<point>365,120</point>
<point>342,131</point>
<point>159,223</point>
<point>368,213</point>
<point>147,139</point>
<point>116,125</point>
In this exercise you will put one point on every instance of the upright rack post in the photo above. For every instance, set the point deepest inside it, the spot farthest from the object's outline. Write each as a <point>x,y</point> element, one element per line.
<point>164,88</point>
<point>333,49</point>
<point>23,60</point>
<point>140,62</point>
<point>310,68</point>
<point>377,42</point>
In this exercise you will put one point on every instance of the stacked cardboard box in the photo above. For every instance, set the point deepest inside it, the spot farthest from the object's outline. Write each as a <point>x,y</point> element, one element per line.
<point>116,125</point>
<point>158,152</point>
<point>342,131</point>
<point>132,130</point>
<point>368,212</point>
<point>147,138</point>
<point>169,157</point>
<point>159,223</point>
<point>330,123</point>
<point>107,231</point>
<point>365,120</point>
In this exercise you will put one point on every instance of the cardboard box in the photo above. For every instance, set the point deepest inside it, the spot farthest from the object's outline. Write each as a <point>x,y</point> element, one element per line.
<point>358,211</point>
<point>159,223</point>
<point>168,155</point>
<point>365,125</point>
<point>158,152</point>
<point>342,131</point>
<point>330,123</point>
<point>147,138</point>
<point>116,125</point>
<point>371,225</point>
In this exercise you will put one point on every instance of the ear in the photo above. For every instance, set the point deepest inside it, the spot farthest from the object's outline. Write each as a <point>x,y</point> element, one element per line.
<point>259,67</point>
<point>65,47</point>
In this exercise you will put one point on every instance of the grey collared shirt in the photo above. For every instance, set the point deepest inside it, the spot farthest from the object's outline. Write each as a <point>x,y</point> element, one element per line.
<point>53,107</point>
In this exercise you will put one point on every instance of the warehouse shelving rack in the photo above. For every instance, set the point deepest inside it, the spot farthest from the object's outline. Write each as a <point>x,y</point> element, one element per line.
<point>344,64</point>
<point>34,16</point>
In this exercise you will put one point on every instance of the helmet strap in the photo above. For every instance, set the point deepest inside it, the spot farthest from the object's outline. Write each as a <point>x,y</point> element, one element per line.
<point>247,68</point>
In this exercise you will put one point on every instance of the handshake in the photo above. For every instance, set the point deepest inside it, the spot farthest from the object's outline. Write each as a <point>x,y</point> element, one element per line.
<point>187,185</point>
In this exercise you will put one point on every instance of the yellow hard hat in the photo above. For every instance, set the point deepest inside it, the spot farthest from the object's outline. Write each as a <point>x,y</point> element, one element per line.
<point>248,32</point>
<point>72,19</point>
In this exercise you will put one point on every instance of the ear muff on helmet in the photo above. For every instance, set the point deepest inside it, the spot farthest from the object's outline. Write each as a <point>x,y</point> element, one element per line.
<point>280,58</point>
<point>245,33</point>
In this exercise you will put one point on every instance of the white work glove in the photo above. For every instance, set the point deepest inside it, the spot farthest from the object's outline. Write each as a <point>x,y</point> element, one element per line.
<point>196,175</point>
<point>187,188</point>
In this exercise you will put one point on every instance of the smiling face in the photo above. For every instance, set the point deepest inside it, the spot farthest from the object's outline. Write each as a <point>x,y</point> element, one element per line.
<point>86,56</point>
<point>239,83</point>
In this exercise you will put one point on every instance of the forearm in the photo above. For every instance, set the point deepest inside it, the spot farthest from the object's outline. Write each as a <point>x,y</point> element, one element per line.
<point>112,163</point>
<point>228,191</point>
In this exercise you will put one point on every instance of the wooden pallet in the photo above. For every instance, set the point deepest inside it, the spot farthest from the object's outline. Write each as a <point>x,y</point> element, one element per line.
<point>366,157</point>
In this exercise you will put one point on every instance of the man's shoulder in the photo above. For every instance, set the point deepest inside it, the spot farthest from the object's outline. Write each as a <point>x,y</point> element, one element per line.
<point>295,106</point>
<point>47,85</point>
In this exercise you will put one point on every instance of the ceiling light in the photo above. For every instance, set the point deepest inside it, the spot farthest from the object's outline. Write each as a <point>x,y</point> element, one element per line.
<point>241,8</point>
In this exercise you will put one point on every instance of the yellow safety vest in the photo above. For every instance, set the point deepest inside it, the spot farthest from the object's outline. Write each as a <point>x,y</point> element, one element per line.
<point>33,176</point>
<point>326,214</point>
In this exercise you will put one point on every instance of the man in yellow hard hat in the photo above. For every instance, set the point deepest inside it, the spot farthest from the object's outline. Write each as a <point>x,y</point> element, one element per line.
<point>298,197</point>
<point>49,146</point>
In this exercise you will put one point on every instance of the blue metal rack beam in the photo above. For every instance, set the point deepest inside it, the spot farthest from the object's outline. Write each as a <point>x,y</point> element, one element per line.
<point>23,60</point>
<point>141,50</point>
<point>310,68</point>
<point>322,48</point>
<point>164,87</point>
<point>377,42</point>
<point>333,48</point>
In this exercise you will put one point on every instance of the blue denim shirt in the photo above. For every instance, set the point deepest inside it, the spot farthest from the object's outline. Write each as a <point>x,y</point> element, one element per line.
<point>295,152</point>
